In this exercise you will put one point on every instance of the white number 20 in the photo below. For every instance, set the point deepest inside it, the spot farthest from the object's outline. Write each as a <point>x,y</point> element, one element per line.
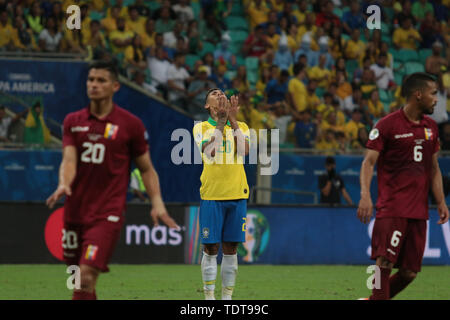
<point>418,153</point>
<point>94,153</point>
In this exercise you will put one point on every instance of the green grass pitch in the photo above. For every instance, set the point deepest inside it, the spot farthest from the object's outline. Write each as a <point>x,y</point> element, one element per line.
<point>183,282</point>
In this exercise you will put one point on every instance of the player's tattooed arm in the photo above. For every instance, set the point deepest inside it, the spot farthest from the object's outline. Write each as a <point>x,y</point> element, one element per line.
<point>438,190</point>
<point>241,144</point>
<point>67,172</point>
<point>365,207</point>
<point>210,147</point>
<point>150,179</point>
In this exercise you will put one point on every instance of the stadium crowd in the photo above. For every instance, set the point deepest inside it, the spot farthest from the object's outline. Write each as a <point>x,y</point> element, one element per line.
<point>312,69</point>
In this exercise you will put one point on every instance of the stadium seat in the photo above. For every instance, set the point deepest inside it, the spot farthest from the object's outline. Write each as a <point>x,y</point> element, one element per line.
<point>424,54</point>
<point>95,15</point>
<point>386,38</point>
<point>196,8</point>
<point>155,5</point>
<point>252,77</point>
<point>191,59</point>
<point>251,63</point>
<point>411,67</point>
<point>236,23</point>
<point>351,65</point>
<point>398,78</point>
<point>406,55</point>
<point>389,12</point>
<point>236,47</point>
<point>208,47</point>
<point>238,35</point>
<point>230,74</point>
<point>385,96</point>
<point>385,29</point>
<point>237,9</point>
<point>320,92</point>
<point>240,61</point>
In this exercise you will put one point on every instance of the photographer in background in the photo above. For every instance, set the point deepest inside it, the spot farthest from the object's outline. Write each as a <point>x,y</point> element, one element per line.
<point>331,185</point>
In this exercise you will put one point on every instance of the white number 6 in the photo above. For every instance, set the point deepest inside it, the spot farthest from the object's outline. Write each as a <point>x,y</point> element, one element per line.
<point>396,238</point>
<point>418,153</point>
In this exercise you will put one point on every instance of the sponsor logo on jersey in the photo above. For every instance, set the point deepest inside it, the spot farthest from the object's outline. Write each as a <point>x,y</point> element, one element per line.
<point>428,134</point>
<point>374,133</point>
<point>79,129</point>
<point>111,131</point>
<point>91,252</point>
<point>405,135</point>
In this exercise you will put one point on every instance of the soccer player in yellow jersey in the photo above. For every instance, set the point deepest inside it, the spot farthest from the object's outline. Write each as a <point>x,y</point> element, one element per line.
<point>223,142</point>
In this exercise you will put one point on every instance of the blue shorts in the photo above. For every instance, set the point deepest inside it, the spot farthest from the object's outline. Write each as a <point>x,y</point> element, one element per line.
<point>222,220</point>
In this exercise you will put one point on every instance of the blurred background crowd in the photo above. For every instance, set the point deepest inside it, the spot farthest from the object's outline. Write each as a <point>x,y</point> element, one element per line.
<point>312,69</point>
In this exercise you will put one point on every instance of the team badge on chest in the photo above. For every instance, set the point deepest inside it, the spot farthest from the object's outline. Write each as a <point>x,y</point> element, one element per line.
<point>428,134</point>
<point>111,131</point>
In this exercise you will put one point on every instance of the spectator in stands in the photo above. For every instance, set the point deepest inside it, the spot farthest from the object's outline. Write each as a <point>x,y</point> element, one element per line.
<point>195,44</point>
<point>6,32</point>
<point>197,92</point>
<point>445,136</point>
<point>344,89</point>
<point>297,89</point>
<point>361,141</point>
<point>148,38</point>
<point>24,37</point>
<point>281,119</point>
<point>440,114</point>
<point>158,66</point>
<point>177,77</point>
<point>170,37</point>
<point>135,22</point>
<point>277,88</point>
<point>272,36</point>
<point>256,43</point>
<point>59,15</point>
<point>223,54</point>
<point>441,11</point>
<point>123,10</point>
<point>324,49</point>
<point>34,18</point>
<point>219,78</point>
<point>36,131</point>
<point>420,8</point>
<point>305,49</point>
<point>310,28</point>
<point>353,19</point>
<point>50,39</point>
<point>430,31</point>
<point>258,13</point>
<point>367,84</point>
<point>264,77</point>
<point>384,49</point>
<point>305,130</point>
<point>358,73</point>
<point>404,13</point>
<point>331,185</point>
<point>143,9</point>
<point>435,62</point>
<point>240,80</point>
<point>354,101</point>
<point>384,77</point>
<point>375,106</point>
<point>354,48</point>
<point>320,73</point>
<point>339,66</point>
<point>134,55</point>
<point>312,100</point>
<point>165,4</point>
<point>164,23</point>
<point>406,37</point>
<point>283,56</point>
<point>181,46</point>
<point>208,61</point>
<point>327,15</point>
<point>336,43</point>
<point>109,23</point>
<point>159,43</point>
<point>95,42</point>
<point>139,78</point>
<point>121,38</point>
<point>288,14</point>
<point>183,11</point>
<point>210,29</point>
<point>5,123</point>
<point>292,38</point>
<point>326,141</point>
<point>73,41</point>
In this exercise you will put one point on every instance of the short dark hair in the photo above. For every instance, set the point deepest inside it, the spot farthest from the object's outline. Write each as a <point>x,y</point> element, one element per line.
<point>209,91</point>
<point>298,67</point>
<point>330,160</point>
<point>110,66</point>
<point>414,82</point>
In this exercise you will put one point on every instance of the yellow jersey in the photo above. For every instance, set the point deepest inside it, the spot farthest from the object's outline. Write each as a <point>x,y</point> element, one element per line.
<point>223,177</point>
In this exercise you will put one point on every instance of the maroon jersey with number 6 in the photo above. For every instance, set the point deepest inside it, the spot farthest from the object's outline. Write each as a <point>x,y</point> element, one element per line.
<point>404,164</point>
<point>105,148</point>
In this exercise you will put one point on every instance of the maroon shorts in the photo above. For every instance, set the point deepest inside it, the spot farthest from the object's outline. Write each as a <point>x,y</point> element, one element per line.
<point>401,241</point>
<point>92,245</point>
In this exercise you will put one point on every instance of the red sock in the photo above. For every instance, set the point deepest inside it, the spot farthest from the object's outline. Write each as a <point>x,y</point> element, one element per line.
<point>83,295</point>
<point>383,292</point>
<point>397,284</point>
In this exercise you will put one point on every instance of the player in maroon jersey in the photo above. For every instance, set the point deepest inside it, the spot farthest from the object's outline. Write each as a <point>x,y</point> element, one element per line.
<point>405,146</point>
<point>99,143</point>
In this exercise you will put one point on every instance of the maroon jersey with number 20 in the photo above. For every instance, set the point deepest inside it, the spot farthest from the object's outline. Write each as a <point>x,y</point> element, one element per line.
<point>404,164</point>
<point>105,148</point>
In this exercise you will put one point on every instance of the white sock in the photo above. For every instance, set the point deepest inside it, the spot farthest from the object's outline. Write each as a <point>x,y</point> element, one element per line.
<point>228,270</point>
<point>209,274</point>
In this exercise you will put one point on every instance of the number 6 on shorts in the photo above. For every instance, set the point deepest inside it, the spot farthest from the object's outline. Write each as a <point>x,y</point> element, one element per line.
<point>395,240</point>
